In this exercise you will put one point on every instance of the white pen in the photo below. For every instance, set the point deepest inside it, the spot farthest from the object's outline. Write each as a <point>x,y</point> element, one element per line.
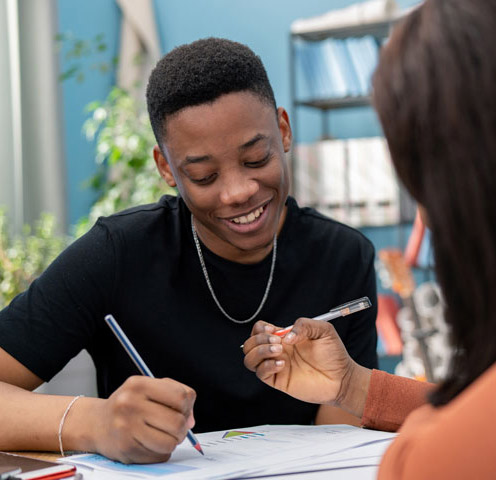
<point>341,311</point>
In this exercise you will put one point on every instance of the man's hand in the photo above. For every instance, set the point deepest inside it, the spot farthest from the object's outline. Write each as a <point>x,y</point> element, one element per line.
<point>310,363</point>
<point>144,420</point>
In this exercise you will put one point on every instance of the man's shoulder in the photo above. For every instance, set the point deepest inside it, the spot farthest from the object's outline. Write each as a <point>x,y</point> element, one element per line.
<point>167,207</point>
<point>165,203</point>
<point>144,224</point>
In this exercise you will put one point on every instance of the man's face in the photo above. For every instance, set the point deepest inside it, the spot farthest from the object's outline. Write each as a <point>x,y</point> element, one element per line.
<point>227,160</point>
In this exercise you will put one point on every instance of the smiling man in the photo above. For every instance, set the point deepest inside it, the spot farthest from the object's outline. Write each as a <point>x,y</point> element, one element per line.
<point>227,159</point>
<point>186,278</point>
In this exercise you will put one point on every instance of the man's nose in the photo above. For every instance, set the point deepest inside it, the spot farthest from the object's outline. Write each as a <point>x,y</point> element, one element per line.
<point>238,189</point>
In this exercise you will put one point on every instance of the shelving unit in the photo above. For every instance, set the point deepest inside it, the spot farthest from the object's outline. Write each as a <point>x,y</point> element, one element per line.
<point>380,30</point>
<point>376,29</point>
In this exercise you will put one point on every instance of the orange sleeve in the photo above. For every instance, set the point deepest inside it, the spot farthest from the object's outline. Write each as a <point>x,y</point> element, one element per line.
<point>390,399</point>
<point>456,441</point>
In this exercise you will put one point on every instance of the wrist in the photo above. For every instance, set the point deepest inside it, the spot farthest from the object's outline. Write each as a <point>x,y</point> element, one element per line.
<point>354,388</point>
<point>81,428</point>
<point>62,422</point>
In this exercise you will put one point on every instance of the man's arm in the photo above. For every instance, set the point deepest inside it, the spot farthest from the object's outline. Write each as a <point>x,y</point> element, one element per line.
<point>143,421</point>
<point>28,421</point>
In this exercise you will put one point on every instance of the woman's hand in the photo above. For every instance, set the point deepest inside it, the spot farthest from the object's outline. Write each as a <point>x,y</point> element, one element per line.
<point>310,363</point>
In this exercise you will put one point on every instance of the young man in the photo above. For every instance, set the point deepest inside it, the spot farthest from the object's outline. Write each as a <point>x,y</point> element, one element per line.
<point>186,278</point>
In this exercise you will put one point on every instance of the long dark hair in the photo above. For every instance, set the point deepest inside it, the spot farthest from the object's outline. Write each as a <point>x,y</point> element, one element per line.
<point>435,92</point>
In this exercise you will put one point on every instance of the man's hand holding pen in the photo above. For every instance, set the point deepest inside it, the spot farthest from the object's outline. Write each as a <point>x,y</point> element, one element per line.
<point>144,420</point>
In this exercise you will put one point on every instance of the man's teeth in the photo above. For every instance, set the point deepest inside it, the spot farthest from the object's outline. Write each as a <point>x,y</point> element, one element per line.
<point>250,217</point>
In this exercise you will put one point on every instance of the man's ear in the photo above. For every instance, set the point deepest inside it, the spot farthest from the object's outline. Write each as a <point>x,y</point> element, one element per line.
<point>284,128</point>
<point>163,166</point>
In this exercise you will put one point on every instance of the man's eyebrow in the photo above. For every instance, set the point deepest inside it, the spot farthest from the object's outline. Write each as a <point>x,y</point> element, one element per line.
<point>191,159</point>
<point>203,158</point>
<point>257,138</point>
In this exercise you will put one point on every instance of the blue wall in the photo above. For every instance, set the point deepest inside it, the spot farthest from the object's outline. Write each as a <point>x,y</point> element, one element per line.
<point>84,20</point>
<point>261,24</point>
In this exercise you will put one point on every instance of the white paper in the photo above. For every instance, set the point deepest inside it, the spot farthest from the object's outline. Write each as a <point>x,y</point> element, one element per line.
<point>255,451</point>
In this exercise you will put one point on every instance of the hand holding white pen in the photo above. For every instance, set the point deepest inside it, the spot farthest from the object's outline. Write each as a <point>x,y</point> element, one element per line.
<point>310,364</point>
<point>341,311</point>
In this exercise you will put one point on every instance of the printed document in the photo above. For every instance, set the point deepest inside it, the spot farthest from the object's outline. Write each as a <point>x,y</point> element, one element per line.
<point>255,451</point>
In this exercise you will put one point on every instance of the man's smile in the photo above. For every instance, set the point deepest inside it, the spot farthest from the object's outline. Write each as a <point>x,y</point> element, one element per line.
<point>252,216</point>
<point>249,222</point>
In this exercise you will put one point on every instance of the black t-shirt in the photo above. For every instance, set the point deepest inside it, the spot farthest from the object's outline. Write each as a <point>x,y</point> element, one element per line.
<point>141,265</point>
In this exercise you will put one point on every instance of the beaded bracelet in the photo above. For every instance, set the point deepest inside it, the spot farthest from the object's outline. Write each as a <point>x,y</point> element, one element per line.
<point>62,421</point>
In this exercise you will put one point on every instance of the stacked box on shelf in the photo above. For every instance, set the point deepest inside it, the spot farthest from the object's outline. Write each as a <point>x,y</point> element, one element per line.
<point>350,180</point>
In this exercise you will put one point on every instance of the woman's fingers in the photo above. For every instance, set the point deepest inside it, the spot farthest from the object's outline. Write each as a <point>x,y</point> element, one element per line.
<point>261,327</point>
<point>309,329</point>
<point>259,348</point>
<point>268,368</point>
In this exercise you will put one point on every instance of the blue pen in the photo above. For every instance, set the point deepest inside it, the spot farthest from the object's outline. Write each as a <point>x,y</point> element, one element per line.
<point>138,361</point>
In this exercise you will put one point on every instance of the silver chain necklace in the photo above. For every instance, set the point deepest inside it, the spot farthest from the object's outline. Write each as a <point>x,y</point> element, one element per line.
<point>207,278</point>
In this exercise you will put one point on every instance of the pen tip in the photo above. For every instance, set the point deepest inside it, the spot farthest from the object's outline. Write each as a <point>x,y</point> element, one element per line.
<point>198,447</point>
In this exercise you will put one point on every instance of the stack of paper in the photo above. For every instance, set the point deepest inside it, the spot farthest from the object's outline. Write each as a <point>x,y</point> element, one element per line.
<point>255,452</point>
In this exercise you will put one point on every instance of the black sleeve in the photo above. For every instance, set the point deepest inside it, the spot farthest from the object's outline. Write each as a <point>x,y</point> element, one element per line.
<point>52,321</point>
<point>358,331</point>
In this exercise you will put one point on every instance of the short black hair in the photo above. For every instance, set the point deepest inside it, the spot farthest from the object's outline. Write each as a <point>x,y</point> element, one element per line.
<point>200,72</point>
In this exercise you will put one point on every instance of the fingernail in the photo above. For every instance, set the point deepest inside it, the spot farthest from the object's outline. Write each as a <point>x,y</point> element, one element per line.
<point>269,328</point>
<point>279,363</point>
<point>274,339</point>
<point>289,337</point>
<point>276,348</point>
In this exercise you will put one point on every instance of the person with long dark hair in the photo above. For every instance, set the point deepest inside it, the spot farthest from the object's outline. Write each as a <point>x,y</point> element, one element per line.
<point>435,93</point>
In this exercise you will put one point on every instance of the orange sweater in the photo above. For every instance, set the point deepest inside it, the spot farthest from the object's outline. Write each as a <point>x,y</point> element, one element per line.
<point>457,441</point>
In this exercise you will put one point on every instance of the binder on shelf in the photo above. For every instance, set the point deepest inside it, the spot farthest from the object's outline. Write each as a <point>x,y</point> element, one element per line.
<point>346,66</point>
<point>354,54</point>
<point>332,193</point>
<point>370,50</point>
<point>359,186</point>
<point>364,55</point>
<point>306,174</point>
<point>306,60</point>
<point>334,69</point>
